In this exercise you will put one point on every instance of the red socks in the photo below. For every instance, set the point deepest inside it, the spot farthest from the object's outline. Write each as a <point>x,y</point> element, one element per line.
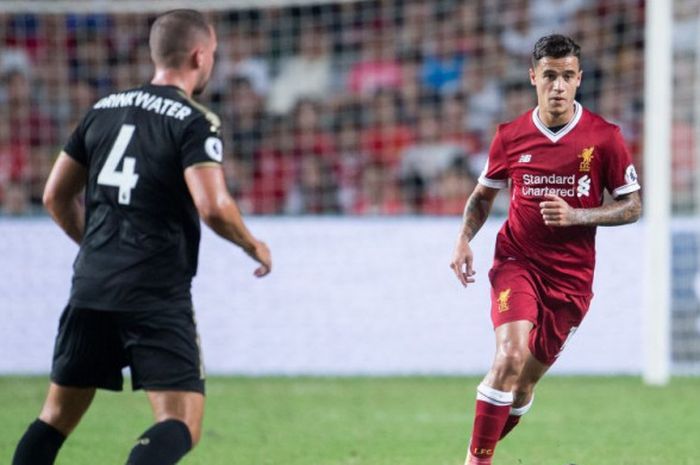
<point>511,423</point>
<point>514,417</point>
<point>492,410</point>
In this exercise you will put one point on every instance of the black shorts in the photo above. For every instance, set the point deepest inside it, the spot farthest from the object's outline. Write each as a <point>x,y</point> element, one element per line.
<point>161,348</point>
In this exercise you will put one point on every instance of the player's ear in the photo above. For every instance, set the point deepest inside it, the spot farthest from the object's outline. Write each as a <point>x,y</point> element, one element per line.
<point>532,77</point>
<point>198,57</point>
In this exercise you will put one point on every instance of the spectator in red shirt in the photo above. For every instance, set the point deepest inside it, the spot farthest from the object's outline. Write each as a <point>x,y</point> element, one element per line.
<point>315,190</point>
<point>378,67</point>
<point>386,136</point>
<point>446,194</point>
<point>273,173</point>
<point>349,163</point>
<point>309,137</point>
<point>379,193</point>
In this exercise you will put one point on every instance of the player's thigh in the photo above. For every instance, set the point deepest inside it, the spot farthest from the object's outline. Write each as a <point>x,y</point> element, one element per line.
<point>512,339</point>
<point>559,318</point>
<point>188,407</point>
<point>511,354</point>
<point>514,310</point>
<point>88,351</point>
<point>514,294</point>
<point>163,350</point>
<point>65,406</point>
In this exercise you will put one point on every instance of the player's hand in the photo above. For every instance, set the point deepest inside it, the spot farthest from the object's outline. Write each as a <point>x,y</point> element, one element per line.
<point>462,261</point>
<point>557,212</point>
<point>261,254</point>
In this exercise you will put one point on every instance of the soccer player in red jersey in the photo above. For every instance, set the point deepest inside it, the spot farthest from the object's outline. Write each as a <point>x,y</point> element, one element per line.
<point>558,158</point>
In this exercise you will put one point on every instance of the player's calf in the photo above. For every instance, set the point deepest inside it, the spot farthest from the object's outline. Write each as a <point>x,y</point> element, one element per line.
<point>39,445</point>
<point>524,392</point>
<point>514,417</point>
<point>61,413</point>
<point>165,443</point>
<point>492,410</point>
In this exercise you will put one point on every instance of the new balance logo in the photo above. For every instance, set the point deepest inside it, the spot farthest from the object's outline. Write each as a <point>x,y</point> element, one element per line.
<point>584,186</point>
<point>525,158</point>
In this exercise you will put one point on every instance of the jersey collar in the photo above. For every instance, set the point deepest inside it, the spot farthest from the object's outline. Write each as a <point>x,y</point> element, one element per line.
<point>555,136</point>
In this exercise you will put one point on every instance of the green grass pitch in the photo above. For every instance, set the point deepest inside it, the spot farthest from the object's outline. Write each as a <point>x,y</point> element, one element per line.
<point>387,421</point>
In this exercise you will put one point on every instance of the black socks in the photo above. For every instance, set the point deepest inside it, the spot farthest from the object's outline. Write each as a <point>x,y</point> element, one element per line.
<point>162,444</point>
<point>39,445</point>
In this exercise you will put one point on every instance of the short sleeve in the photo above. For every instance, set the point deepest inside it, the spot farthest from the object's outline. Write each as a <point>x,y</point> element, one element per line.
<point>201,143</point>
<point>75,147</point>
<point>620,176</point>
<point>495,173</point>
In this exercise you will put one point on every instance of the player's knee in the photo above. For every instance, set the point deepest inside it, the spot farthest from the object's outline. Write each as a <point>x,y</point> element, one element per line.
<point>186,408</point>
<point>511,359</point>
<point>507,366</point>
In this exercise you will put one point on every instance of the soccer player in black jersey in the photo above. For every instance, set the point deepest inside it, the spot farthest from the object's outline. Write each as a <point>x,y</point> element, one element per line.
<point>149,160</point>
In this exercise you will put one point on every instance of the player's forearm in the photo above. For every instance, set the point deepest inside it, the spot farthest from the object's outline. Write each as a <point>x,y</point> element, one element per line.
<point>625,210</point>
<point>70,216</point>
<point>226,221</point>
<point>476,211</point>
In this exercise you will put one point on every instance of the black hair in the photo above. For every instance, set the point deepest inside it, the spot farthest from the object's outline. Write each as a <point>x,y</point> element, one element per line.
<point>174,34</point>
<point>555,46</point>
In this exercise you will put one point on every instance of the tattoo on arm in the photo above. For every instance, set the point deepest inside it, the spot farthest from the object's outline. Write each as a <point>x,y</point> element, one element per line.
<point>475,213</point>
<point>624,210</point>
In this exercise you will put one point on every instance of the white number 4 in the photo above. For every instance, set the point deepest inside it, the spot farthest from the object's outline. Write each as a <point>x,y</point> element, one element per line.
<point>125,179</point>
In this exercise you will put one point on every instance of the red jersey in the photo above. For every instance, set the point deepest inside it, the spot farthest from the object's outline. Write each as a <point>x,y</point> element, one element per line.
<point>577,163</point>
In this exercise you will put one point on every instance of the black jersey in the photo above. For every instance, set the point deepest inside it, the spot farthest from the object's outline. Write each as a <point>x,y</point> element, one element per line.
<point>141,241</point>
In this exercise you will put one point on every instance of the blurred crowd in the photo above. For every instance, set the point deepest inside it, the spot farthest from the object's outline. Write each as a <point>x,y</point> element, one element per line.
<point>371,107</point>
